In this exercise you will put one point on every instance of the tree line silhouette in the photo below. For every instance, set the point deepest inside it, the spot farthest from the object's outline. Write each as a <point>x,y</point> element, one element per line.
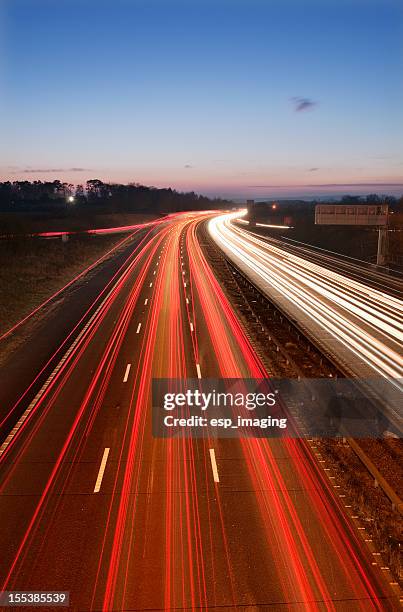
<point>26,196</point>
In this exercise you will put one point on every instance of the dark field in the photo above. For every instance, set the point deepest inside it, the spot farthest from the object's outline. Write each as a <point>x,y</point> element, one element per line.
<point>32,269</point>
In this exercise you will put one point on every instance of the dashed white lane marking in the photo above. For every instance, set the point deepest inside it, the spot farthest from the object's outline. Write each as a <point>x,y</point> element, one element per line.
<point>214,465</point>
<point>138,328</point>
<point>151,284</point>
<point>198,371</point>
<point>191,327</point>
<point>146,302</point>
<point>102,467</point>
<point>126,376</point>
<point>187,300</point>
<point>184,284</point>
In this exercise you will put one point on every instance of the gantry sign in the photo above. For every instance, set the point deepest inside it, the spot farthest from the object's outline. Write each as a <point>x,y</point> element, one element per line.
<point>367,215</point>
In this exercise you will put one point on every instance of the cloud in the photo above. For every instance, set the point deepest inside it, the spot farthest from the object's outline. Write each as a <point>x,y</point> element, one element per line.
<point>51,170</point>
<point>41,170</point>
<point>358,185</point>
<point>326,185</point>
<point>303,104</point>
<point>312,169</point>
<point>188,166</point>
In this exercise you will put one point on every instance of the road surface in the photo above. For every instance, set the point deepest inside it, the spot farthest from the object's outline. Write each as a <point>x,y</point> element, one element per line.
<point>357,325</point>
<point>92,504</point>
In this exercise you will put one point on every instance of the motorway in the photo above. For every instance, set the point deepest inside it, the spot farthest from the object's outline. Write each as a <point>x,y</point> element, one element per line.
<point>357,324</point>
<point>93,504</point>
<point>371,274</point>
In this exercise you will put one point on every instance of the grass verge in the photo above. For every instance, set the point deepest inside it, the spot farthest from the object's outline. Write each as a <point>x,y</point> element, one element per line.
<point>32,269</point>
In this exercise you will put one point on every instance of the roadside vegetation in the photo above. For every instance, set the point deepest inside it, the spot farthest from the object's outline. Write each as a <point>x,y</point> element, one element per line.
<point>53,205</point>
<point>383,523</point>
<point>32,269</point>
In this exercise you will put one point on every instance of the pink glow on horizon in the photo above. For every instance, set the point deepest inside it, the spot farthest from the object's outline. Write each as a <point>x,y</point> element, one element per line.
<point>229,183</point>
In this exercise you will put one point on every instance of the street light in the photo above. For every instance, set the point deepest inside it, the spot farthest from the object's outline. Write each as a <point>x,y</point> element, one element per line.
<point>70,199</point>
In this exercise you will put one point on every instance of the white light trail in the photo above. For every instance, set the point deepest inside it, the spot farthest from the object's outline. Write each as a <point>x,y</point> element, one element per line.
<point>366,322</point>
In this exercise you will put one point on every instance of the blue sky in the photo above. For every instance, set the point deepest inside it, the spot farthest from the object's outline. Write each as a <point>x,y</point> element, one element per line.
<point>203,95</point>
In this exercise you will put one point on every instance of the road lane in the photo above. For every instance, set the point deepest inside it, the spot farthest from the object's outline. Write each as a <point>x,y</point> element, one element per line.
<point>24,372</point>
<point>295,478</point>
<point>161,533</point>
<point>355,324</point>
<point>362,271</point>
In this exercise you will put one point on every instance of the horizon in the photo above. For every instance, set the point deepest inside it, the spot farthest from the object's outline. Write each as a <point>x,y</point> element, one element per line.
<point>296,195</point>
<point>274,106</point>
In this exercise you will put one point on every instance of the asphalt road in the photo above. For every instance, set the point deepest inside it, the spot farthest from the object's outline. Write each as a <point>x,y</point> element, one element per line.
<point>370,274</point>
<point>355,324</point>
<point>47,334</point>
<point>93,504</point>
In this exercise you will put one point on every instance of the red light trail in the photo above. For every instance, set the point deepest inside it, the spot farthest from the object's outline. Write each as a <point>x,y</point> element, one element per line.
<point>162,530</point>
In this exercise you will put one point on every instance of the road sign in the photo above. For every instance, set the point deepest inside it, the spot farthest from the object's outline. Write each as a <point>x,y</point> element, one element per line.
<point>351,214</point>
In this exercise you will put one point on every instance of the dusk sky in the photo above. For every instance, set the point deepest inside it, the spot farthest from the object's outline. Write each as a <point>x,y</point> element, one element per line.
<point>242,98</point>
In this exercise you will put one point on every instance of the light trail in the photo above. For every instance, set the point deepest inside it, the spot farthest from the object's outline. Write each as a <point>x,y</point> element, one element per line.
<point>222,331</point>
<point>365,322</point>
<point>306,584</point>
<point>63,289</point>
<point>273,226</point>
<point>167,536</point>
<point>98,385</point>
<point>108,294</point>
<point>133,230</point>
